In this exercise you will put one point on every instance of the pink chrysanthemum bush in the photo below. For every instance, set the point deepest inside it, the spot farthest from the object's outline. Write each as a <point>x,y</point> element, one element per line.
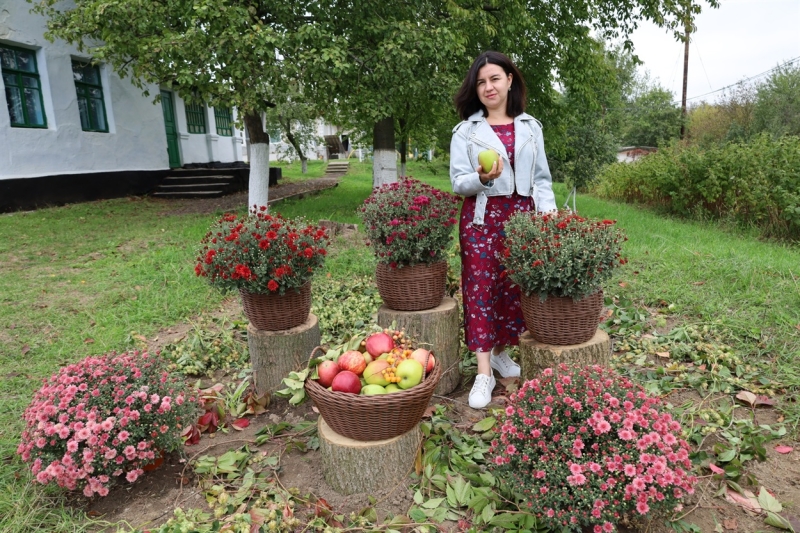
<point>102,418</point>
<point>586,446</point>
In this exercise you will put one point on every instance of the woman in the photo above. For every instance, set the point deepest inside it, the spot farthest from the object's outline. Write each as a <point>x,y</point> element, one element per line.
<point>491,103</point>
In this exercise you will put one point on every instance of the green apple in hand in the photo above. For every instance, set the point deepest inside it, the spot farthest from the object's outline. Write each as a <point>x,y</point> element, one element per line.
<point>410,373</point>
<point>487,158</point>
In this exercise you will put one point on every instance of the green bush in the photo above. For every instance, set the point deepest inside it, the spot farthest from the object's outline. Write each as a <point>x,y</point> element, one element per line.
<point>755,184</point>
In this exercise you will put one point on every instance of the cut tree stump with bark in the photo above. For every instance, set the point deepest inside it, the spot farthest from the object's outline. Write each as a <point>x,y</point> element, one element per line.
<point>276,353</point>
<point>352,466</point>
<point>436,329</point>
<point>536,356</point>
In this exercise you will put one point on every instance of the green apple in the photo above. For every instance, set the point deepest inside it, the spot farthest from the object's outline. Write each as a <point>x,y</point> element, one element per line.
<point>392,387</point>
<point>410,373</point>
<point>487,158</point>
<point>372,390</point>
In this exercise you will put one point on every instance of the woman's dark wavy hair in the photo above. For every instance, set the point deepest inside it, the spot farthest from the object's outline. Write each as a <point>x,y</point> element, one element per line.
<point>466,99</point>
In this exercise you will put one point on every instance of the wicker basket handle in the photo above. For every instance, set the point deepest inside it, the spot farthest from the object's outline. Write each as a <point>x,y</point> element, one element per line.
<point>311,355</point>
<point>425,367</point>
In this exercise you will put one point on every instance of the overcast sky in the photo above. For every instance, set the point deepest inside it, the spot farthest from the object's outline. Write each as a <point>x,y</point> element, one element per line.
<point>740,39</point>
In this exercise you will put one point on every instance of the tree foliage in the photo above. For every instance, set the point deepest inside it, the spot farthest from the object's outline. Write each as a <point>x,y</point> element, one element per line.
<point>777,105</point>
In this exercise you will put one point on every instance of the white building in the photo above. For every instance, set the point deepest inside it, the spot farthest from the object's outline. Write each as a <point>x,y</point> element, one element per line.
<point>71,130</point>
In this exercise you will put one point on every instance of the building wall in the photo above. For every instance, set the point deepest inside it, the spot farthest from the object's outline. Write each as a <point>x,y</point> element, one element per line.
<point>136,139</point>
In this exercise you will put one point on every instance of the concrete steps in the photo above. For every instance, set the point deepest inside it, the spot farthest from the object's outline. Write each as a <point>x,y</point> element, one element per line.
<point>336,168</point>
<point>195,185</point>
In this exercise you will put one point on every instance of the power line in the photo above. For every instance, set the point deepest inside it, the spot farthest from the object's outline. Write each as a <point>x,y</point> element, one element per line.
<point>745,79</point>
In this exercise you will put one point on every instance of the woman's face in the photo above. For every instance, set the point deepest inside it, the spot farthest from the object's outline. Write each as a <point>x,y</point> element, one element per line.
<point>493,85</point>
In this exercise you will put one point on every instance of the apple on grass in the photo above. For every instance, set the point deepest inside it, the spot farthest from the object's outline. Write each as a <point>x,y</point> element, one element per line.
<point>346,381</point>
<point>410,373</point>
<point>327,370</point>
<point>372,390</point>
<point>487,158</point>
<point>353,361</point>
<point>373,374</point>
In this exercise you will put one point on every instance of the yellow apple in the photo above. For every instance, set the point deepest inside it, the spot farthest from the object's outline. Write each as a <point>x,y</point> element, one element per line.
<point>487,158</point>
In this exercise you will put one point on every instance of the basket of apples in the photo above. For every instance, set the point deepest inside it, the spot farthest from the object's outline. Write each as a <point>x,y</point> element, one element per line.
<point>378,391</point>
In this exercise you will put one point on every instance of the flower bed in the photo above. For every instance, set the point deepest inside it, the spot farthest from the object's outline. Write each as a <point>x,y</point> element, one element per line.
<point>586,447</point>
<point>102,418</point>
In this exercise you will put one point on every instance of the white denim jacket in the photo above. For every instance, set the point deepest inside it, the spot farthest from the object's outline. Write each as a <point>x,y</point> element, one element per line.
<point>531,176</point>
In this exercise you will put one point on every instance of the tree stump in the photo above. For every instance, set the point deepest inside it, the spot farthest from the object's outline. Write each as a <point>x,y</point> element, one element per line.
<point>536,356</point>
<point>276,353</point>
<point>437,328</point>
<point>352,466</point>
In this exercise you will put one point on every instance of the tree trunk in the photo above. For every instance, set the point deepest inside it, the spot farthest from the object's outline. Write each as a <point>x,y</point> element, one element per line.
<point>536,356</point>
<point>274,354</point>
<point>259,161</point>
<point>304,165</point>
<point>352,466</point>
<point>287,128</point>
<point>384,164</point>
<point>436,329</point>
<point>403,150</point>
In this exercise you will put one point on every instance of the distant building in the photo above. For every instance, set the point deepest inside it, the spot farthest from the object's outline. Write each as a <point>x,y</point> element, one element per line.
<point>628,154</point>
<point>74,131</point>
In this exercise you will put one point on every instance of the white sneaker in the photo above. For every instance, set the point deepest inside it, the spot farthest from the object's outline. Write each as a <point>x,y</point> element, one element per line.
<point>481,393</point>
<point>504,365</point>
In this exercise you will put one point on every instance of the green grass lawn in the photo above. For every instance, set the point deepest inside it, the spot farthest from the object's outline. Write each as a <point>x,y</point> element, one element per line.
<point>88,278</point>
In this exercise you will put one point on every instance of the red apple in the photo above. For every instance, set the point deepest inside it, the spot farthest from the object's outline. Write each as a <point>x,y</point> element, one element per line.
<point>327,370</point>
<point>353,361</point>
<point>379,343</point>
<point>422,355</point>
<point>346,381</point>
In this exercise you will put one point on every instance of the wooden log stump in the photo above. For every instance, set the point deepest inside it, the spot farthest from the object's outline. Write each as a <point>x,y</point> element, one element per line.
<point>437,328</point>
<point>276,353</point>
<point>352,466</point>
<point>536,356</point>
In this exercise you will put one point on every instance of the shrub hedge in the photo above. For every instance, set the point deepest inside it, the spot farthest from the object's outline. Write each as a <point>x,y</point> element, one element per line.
<point>755,184</point>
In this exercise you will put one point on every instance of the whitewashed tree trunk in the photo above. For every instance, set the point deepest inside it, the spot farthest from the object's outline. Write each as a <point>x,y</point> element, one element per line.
<point>305,166</point>
<point>259,175</point>
<point>384,163</point>
<point>259,161</point>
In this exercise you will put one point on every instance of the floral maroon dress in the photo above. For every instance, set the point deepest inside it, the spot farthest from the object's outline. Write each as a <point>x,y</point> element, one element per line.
<point>492,313</point>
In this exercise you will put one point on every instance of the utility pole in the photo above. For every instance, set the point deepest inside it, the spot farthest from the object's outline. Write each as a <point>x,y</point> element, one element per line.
<point>687,33</point>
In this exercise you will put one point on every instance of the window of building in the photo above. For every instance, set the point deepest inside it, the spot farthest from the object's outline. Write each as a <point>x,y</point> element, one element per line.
<point>224,122</point>
<point>23,87</point>
<point>90,96</point>
<point>196,118</point>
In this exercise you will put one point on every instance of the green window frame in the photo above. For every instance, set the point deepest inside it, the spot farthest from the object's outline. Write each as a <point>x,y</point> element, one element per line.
<point>91,103</point>
<point>224,119</point>
<point>195,118</point>
<point>23,87</point>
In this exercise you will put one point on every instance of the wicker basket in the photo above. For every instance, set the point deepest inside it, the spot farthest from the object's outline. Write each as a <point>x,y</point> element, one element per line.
<point>412,288</point>
<point>277,312</point>
<point>368,418</point>
<point>561,321</point>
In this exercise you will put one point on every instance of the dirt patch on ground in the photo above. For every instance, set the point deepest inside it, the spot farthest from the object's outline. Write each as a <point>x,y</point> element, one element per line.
<point>238,200</point>
<point>151,501</point>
